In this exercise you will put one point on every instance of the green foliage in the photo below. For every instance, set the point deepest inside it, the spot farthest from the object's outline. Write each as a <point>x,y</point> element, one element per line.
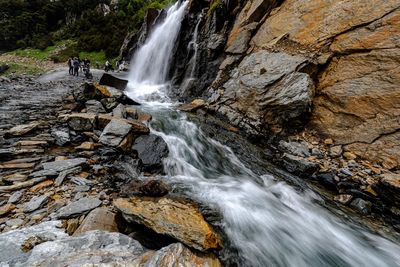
<point>40,24</point>
<point>16,68</point>
<point>216,5</point>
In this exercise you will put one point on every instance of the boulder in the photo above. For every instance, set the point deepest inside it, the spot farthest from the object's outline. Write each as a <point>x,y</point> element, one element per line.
<point>178,219</point>
<point>94,106</point>
<point>81,121</point>
<point>101,219</point>
<point>77,208</point>
<point>151,149</point>
<point>265,91</point>
<point>299,165</point>
<point>176,255</point>
<point>22,129</point>
<point>115,132</point>
<point>119,111</point>
<point>300,149</point>
<point>62,165</point>
<point>388,188</point>
<point>47,245</point>
<point>109,103</point>
<point>110,80</point>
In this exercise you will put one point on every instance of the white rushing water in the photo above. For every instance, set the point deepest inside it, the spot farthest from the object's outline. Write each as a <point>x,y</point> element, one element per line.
<point>270,224</point>
<point>150,65</point>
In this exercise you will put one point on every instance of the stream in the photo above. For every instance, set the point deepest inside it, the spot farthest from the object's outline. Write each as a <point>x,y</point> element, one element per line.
<point>267,221</point>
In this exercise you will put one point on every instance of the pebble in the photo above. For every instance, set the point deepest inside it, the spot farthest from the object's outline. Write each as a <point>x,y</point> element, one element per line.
<point>349,155</point>
<point>346,172</point>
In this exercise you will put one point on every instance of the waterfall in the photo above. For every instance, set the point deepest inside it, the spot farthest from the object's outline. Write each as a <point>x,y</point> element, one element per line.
<point>150,65</point>
<point>269,223</point>
<point>194,44</point>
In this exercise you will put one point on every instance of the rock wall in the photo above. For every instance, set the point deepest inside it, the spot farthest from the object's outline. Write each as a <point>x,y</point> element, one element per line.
<point>335,61</point>
<point>274,66</point>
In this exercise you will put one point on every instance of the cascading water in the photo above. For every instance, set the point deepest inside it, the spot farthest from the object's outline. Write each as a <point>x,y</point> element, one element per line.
<point>194,45</point>
<point>150,65</point>
<point>269,223</point>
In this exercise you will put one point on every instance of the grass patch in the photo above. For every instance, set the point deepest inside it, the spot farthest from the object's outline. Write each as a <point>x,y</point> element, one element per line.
<point>34,53</point>
<point>17,69</point>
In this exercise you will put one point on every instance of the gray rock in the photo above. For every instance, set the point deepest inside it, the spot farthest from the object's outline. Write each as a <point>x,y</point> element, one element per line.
<point>14,222</point>
<point>151,150</point>
<point>81,181</point>
<point>109,103</point>
<point>61,136</point>
<point>94,106</point>
<point>62,165</point>
<point>35,203</point>
<point>82,121</point>
<point>78,208</point>
<point>266,90</point>
<point>346,172</point>
<point>81,188</point>
<point>16,196</point>
<point>58,249</point>
<point>240,45</point>
<point>22,129</point>
<point>119,111</point>
<point>114,133</point>
<point>47,173</point>
<point>295,148</point>
<point>361,205</point>
<point>298,165</point>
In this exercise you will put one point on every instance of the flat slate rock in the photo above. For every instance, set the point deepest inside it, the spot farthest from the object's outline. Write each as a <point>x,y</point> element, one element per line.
<point>35,203</point>
<point>77,208</point>
<point>62,165</point>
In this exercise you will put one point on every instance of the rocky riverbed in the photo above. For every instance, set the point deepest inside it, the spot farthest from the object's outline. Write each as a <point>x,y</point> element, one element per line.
<point>71,155</point>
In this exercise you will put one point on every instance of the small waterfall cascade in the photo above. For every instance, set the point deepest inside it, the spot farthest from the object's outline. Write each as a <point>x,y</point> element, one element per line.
<point>194,45</point>
<point>269,223</point>
<point>150,65</point>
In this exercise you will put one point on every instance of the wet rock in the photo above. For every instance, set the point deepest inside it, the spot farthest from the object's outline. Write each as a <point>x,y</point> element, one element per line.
<point>22,129</point>
<point>94,106</point>
<point>59,249</point>
<point>74,209</point>
<point>388,188</point>
<point>361,205</point>
<point>193,106</point>
<point>177,254</point>
<point>110,80</point>
<point>151,149</point>
<point>344,199</point>
<point>299,165</point>
<point>119,111</point>
<point>61,136</point>
<point>327,180</point>
<point>145,117</point>
<point>131,113</point>
<point>82,121</point>
<point>101,219</point>
<point>178,219</point>
<point>295,148</point>
<point>115,132</point>
<point>153,188</point>
<point>62,165</point>
<point>35,203</point>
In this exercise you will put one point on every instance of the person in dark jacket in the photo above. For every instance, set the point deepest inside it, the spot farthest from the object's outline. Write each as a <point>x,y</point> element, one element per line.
<point>76,66</point>
<point>70,66</point>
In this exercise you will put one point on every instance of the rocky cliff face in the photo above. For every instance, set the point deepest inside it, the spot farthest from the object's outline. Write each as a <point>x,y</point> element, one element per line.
<point>340,56</point>
<point>271,66</point>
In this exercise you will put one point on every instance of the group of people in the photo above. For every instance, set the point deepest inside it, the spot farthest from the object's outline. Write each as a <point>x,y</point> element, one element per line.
<point>120,65</point>
<point>75,64</point>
